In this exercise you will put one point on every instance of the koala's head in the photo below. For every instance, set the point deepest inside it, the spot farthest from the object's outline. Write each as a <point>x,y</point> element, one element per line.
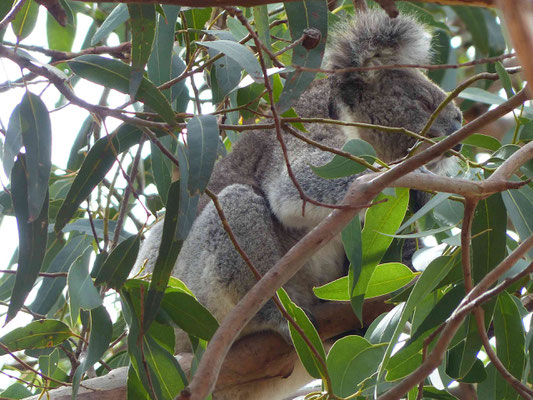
<point>402,97</point>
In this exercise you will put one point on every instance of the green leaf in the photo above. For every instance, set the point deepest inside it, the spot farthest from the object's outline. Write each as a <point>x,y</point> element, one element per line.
<point>381,218</point>
<point>39,334</point>
<point>341,166</point>
<point>225,76</point>
<point>303,15</point>
<point>196,20</point>
<point>166,258</point>
<point>51,288</point>
<point>187,204</point>
<point>308,358</point>
<point>238,53</point>
<point>505,79</point>
<point>191,316</point>
<point>48,363</point>
<point>203,141</point>
<point>5,7</point>
<point>135,389</point>
<point>117,17</point>
<point>510,342</point>
<point>158,370</point>
<point>99,339</point>
<point>350,361</point>
<point>162,166</point>
<point>337,290</point>
<point>81,290</point>
<point>142,37</point>
<point>489,233</point>
<point>519,203</point>
<point>116,75</point>
<point>388,278</point>
<point>17,390</point>
<point>483,141</point>
<point>160,61</point>
<point>13,140</point>
<point>440,312</point>
<point>119,263</point>
<point>481,96</point>
<point>352,242</point>
<point>32,238</point>
<point>36,133</point>
<point>428,281</point>
<point>25,20</point>
<point>486,32</point>
<point>261,24</point>
<point>59,37</point>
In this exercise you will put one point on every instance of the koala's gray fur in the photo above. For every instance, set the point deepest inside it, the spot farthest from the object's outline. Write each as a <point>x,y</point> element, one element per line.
<point>259,199</point>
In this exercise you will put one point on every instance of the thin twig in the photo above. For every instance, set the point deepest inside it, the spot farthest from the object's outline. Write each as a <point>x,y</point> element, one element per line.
<point>473,63</point>
<point>57,55</point>
<point>44,274</point>
<point>522,390</point>
<point>127,192</point>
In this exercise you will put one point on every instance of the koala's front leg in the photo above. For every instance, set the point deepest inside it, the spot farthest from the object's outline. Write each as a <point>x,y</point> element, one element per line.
<point>213,269</point>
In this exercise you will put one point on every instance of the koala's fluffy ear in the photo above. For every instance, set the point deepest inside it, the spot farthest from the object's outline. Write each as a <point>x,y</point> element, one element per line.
<point>374,39</point>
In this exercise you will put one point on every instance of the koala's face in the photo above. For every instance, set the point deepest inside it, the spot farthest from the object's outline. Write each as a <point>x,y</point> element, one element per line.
<point>397,98</point>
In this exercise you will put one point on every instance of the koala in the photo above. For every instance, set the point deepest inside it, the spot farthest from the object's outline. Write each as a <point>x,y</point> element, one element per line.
<point>259,199</point>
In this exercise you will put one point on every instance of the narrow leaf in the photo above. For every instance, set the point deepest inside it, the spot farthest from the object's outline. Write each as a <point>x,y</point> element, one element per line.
<point>51,288</point>
<point>99,339</point>
<point>142,37</point>
<point>166,258</point>
<point>117,17</point>
<point>81,290</point>
<point>240,54</point>
<point>119,263</point>
<point>341,166</point>
<point>202,137</point>
<point>381,218</point>
<point>37,139</point>
<point>32,238</point>
<point>311,363</point>
<point>191,316</point>
<point>25,20</point>
<point>510,342</point>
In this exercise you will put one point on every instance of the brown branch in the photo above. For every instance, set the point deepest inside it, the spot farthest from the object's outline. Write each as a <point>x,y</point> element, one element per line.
<point>518,15</point>
<point>55,55</point>
<point>250,3</point>
<point>60,85</point>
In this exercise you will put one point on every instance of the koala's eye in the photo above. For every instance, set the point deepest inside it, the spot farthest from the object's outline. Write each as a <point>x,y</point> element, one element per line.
<point>427,106</point>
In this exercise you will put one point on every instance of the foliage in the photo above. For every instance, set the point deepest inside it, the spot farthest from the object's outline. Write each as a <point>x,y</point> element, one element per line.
<point>192,84</point>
